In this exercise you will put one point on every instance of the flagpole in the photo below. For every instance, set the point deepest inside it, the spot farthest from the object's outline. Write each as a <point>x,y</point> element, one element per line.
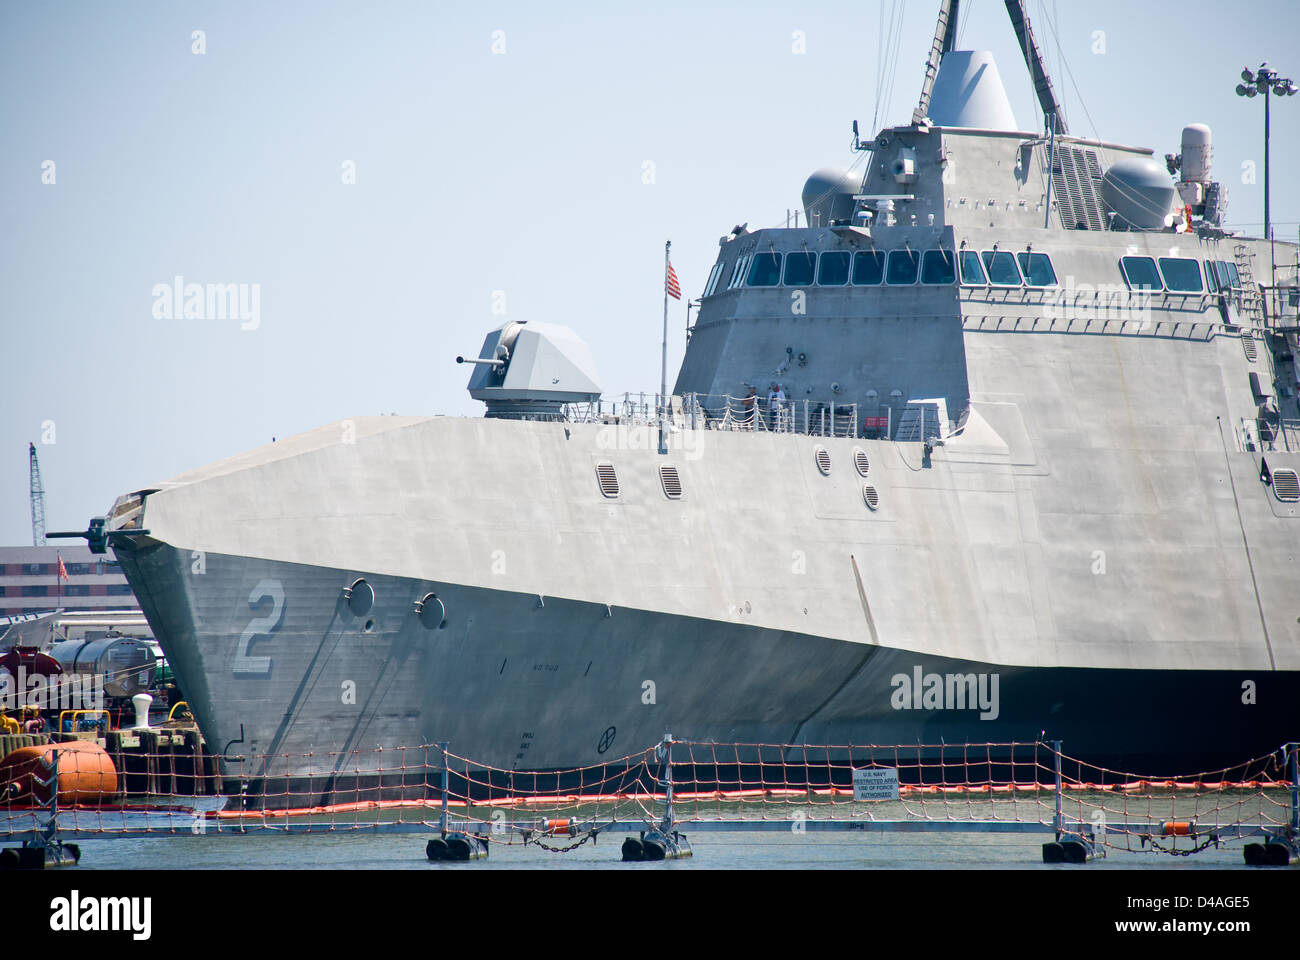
<point>663,362</point>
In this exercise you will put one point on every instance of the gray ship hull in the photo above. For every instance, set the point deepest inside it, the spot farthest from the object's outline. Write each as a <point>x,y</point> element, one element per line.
<point>519,682</point>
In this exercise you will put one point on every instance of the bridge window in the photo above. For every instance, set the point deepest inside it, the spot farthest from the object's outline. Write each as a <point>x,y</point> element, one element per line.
<point>765,271</point>
<point>1181,275</point>
<point>903,266</point>
<point>1002,268</point>
<point>714,275</point>
<point>972,271</point>
<point>1140,272</point>
<point>738,271</point>
<point>1234,278</point>
<point>938,266</point>
<point>833,271</point>
<point>1037,268</point>
<point>1211,280</point>
<point>799,269</point>
<point>868,267</point>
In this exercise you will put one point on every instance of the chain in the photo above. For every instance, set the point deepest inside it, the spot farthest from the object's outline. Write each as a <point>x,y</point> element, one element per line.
<point>1212,841</point>
<point>590,835</point>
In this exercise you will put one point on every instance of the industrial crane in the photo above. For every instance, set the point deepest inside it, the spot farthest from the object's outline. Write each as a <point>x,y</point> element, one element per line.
<point>38,499</point>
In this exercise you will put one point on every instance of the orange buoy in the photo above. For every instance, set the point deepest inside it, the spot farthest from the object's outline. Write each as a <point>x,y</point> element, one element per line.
<point>1178,828</point>
<point>86,774</point>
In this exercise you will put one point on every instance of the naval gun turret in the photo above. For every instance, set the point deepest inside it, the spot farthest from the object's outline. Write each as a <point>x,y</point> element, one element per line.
<point>529,371</point>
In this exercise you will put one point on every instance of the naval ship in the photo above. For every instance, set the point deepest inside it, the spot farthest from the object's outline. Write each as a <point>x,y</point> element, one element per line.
<point>1033,475</point>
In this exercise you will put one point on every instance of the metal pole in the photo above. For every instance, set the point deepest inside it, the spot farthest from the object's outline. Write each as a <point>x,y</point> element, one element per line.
<point>1058,821</point>
<point>1295,788</point>
<point>663,361</point>
<point>1268,227</point>
<point>52,828</point>
<point>668,781</point>
<point>443,745</point>
<point>1051,162</point>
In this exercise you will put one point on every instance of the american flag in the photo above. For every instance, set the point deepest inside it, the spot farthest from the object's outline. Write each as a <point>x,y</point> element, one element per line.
<point>671,285</point>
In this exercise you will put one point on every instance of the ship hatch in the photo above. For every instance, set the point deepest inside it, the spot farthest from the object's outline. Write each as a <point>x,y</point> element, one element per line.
<point>920,421</point>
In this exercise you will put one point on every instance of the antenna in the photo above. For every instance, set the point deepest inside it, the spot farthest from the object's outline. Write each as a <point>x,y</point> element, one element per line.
<point>1037,70</point>
<point>945,37</point>
<point>38,498</point>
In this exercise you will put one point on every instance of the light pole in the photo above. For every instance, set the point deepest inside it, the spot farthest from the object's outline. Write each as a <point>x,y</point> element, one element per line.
<point>1265,81</point>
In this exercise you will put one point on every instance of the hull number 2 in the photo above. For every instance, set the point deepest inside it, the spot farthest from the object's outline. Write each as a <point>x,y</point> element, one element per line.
<point>260,626</point>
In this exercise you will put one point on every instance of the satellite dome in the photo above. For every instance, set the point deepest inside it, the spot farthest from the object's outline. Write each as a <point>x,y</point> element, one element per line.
<point>828,195</point>
<point>1139,192</point>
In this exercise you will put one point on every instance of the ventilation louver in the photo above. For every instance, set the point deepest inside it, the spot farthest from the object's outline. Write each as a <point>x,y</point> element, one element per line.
<point>607,479</point>
<point>823,460</point>
<point>861,461</point>
<point>671,481</point>
<point>1248,343</point>
<point>870,495</point>
<point>1076,181</point>
<point>1286,485</point>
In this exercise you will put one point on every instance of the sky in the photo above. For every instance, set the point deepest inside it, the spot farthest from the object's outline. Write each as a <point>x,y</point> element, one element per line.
<point>385,178</point>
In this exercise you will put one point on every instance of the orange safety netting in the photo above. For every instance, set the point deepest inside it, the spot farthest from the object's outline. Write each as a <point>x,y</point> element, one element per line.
<point>165,783</point>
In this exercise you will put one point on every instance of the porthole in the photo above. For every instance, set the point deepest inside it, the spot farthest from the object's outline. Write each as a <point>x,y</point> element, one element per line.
<point>431,611</point>
<point>360,597</point>
<point>823,460</point>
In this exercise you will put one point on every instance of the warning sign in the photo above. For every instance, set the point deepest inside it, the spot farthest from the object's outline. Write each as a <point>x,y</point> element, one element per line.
<point>875,783</point>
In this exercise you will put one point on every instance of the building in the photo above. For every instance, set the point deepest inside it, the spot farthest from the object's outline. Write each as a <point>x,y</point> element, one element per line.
<point>29,580</point>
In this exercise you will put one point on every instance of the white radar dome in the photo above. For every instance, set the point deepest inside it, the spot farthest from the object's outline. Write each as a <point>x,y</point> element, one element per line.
<point>1139,192</point>
<point>828,195</point>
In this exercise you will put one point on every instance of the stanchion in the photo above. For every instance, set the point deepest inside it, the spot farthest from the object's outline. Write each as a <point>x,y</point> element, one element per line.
<point>46,850</point>
<point>456,846</point>
<point>1069,846</point>
<point>1281,847</point>
<point>661,842</point>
